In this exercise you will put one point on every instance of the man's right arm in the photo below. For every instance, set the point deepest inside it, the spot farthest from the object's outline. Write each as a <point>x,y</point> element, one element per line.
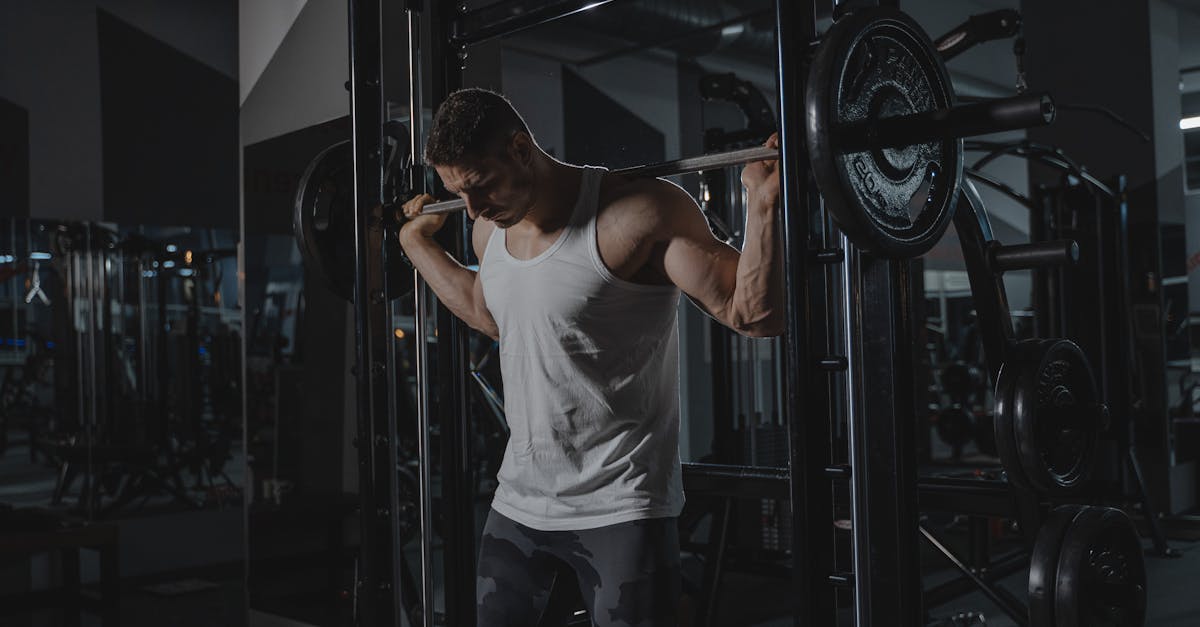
<point>457,287</point>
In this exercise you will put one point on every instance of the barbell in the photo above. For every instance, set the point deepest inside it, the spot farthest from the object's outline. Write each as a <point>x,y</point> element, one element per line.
<point>959,121</point>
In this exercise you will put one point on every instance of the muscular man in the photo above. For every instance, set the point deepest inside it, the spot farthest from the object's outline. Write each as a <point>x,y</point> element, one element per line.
<point>579,278</point>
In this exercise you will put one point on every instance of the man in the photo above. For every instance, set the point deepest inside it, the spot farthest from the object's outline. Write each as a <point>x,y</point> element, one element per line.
<point>579,278</point>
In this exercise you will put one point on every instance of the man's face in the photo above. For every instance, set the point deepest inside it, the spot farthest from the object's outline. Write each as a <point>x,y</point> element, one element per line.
<point>495,188</point>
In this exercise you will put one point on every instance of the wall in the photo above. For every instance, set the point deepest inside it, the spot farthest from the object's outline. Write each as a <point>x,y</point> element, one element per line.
<point>302,83</point>
<point>53,65</point>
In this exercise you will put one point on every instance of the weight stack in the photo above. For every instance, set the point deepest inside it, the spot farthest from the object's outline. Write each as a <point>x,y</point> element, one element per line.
<point>765,444</point>
<point>767,526</point>
<point>776,525</point>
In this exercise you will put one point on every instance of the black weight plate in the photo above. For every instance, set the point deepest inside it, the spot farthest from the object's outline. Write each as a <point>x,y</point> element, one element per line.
<point>1101,578</point>
<point>1002,423</point>
<point>875,63</point>
<point>1043,564</point>
<point>1056,419</point>
<point>323,224</point>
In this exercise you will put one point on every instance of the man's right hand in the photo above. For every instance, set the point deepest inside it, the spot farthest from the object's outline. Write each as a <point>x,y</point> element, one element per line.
<point>418,224</point>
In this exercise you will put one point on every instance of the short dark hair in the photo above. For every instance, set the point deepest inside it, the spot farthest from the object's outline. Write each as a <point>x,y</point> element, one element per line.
<point>471,123</point>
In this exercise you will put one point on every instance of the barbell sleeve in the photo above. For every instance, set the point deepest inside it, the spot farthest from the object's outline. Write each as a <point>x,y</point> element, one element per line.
<point>1031,256</point>
<point>964,120</point>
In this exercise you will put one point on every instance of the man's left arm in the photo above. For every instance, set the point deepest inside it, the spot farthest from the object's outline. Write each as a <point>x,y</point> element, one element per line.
<point>743,291</point>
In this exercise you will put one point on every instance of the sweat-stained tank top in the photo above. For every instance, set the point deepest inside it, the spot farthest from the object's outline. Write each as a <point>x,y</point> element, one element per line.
<point>590,364</point>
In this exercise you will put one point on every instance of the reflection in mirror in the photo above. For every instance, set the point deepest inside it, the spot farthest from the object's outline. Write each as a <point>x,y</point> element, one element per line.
<point>121,356</point>
<point>121,395</point>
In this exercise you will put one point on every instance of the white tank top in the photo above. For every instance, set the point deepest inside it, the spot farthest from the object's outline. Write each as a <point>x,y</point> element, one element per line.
<point>590,364</point>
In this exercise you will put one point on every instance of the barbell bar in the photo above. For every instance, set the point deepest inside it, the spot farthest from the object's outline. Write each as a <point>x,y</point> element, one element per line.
<point>712,161</point>
<point>964,120</point>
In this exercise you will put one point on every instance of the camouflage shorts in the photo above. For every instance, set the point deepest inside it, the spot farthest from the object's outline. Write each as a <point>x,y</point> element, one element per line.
<point>625,575</point>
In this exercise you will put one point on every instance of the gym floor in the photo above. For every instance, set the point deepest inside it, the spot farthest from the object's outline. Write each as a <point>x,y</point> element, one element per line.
<point>216,600</point>
<point>206,596</point>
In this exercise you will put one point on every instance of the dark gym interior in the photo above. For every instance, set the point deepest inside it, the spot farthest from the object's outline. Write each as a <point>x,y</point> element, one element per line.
<point>982,406</point>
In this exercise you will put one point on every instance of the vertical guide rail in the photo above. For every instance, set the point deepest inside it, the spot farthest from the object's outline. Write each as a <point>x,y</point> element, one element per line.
<point>371,329</point>
<point>14,284</point>
<point>421,323</point>
<point>423,449</point>
<point>458,491</point>
<point>807,403</point>
<point>395,379</point>
<point>416,182</point>
<point>852,334</point>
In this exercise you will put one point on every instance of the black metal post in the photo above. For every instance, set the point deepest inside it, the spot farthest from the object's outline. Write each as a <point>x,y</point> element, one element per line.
<point>882,442</point>
<point>453,360</point>
<point>806,409</point>
<point>376,475</point>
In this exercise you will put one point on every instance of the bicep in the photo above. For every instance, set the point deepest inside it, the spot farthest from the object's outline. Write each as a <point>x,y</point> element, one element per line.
<point>699,264</point>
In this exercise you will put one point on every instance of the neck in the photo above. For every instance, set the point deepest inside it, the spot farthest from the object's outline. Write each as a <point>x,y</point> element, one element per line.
<point>556,189</point>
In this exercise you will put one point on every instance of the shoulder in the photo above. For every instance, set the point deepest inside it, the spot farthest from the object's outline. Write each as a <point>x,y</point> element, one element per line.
<point>481,231</point>
<point>650,202</point>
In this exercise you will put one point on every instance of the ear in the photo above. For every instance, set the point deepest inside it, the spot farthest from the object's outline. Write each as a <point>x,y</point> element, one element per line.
<point>521,148</point>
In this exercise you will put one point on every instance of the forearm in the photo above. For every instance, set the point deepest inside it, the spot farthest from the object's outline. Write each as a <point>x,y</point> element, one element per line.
<point>453,283</point>
<point>757,305</point>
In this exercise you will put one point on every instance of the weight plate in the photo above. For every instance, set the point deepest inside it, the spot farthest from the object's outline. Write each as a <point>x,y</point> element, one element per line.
<point>1002,424</point>
<point>875,63</point>
<point>1101,576</point>
<point>1056,417</point>
<point>1043,564</point>
<point>323,224</point>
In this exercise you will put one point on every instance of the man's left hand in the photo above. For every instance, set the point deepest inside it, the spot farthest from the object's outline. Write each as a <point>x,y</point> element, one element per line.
<point>761,179</point>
